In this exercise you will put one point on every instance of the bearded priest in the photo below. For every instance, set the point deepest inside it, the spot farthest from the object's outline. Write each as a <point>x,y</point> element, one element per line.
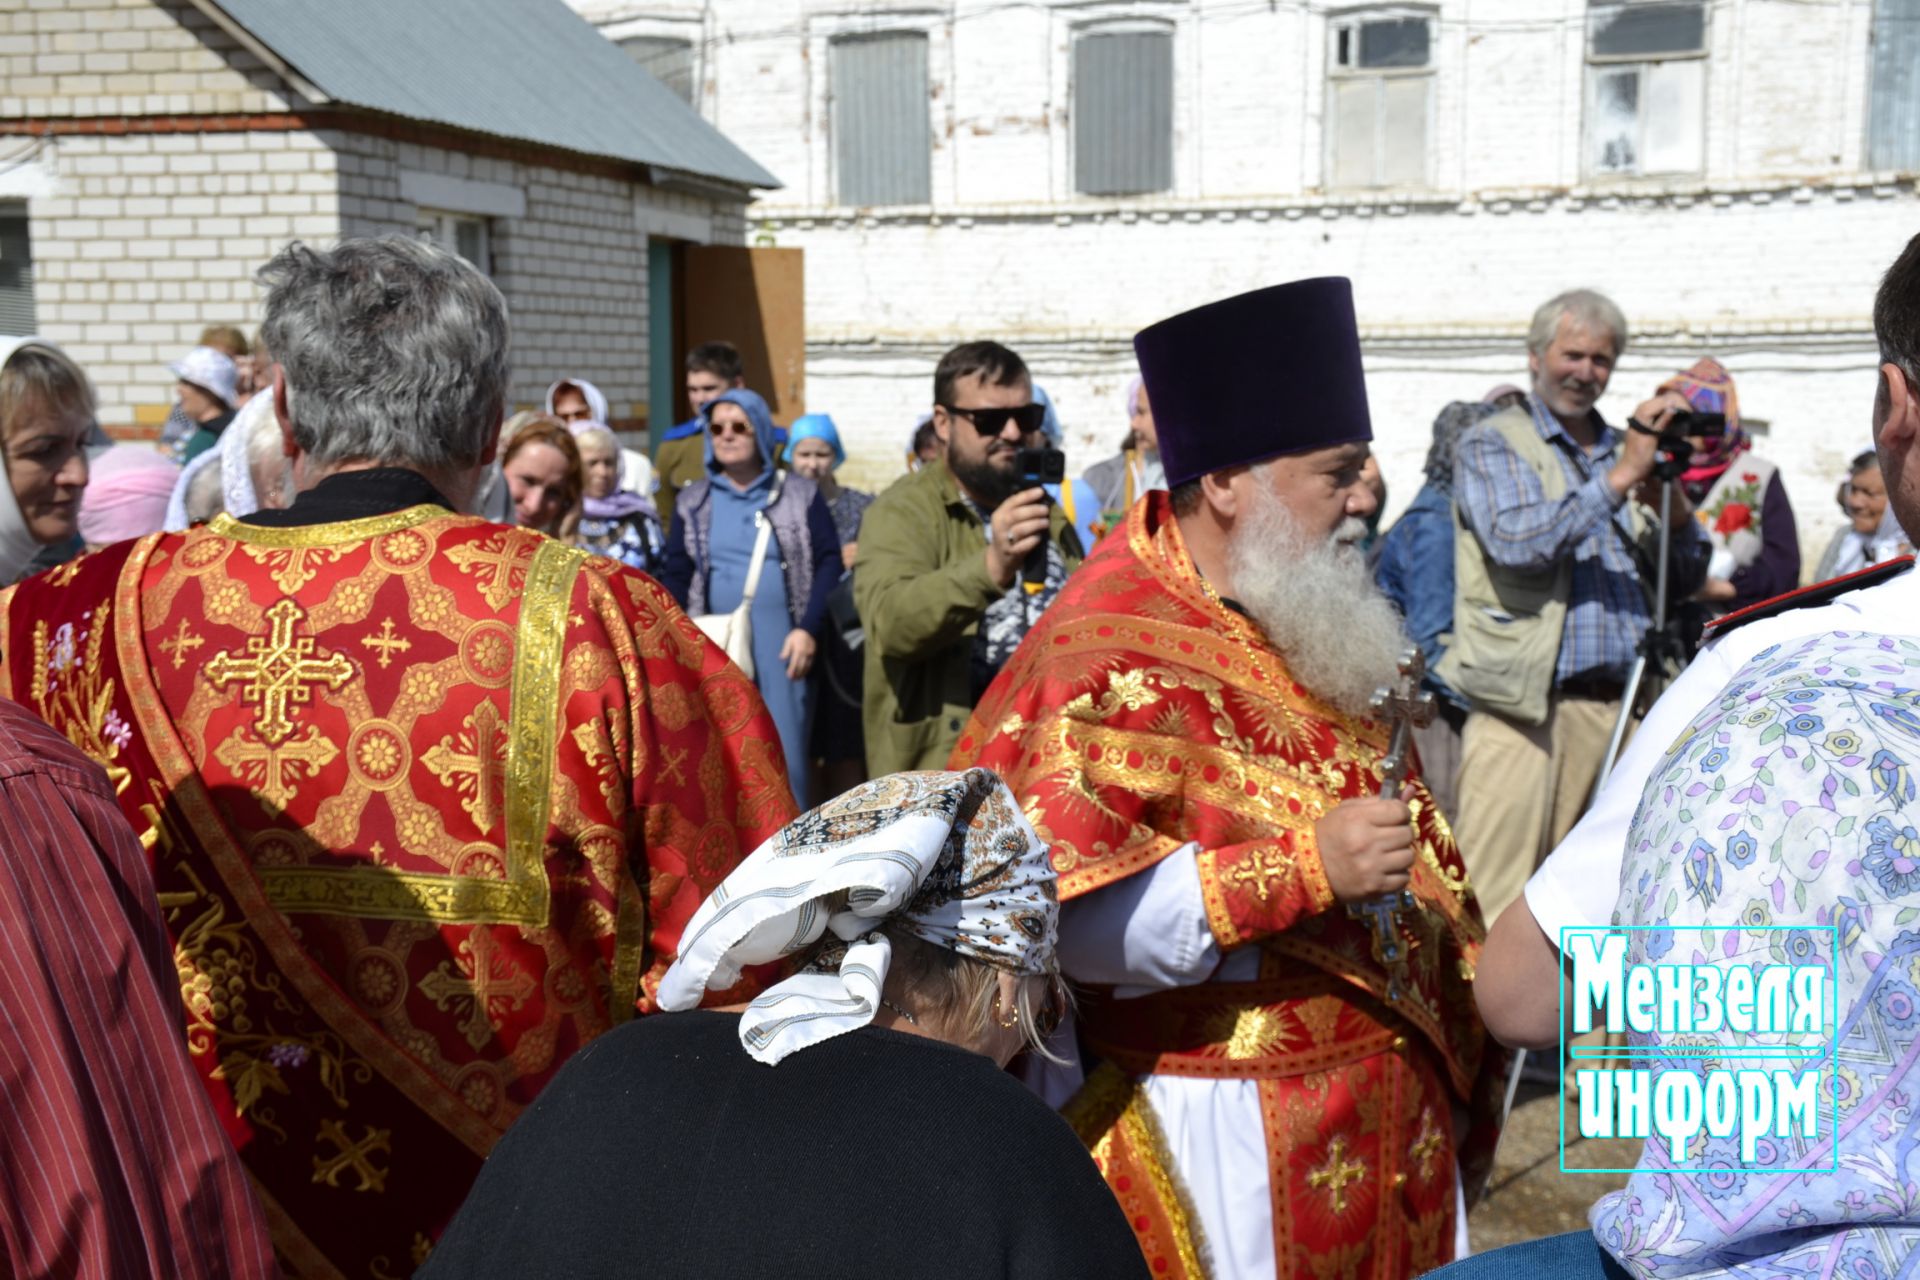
<point>1188,727</point>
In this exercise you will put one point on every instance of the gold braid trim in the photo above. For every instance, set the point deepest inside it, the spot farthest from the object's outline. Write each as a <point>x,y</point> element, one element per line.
<point>324,535</point>
<point>534,725</point>
<point>1111,1100</point>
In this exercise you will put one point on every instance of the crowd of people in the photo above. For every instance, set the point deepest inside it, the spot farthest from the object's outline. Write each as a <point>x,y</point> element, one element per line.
<point>454,841</point>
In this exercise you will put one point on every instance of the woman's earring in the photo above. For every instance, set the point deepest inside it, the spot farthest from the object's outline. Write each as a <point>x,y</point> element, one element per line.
<point>1008,1023</point>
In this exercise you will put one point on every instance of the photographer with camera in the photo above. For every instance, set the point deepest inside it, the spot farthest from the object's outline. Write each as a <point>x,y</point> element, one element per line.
<point>1738,498</point>
<point>1555,553</point>
<point>958,559</point>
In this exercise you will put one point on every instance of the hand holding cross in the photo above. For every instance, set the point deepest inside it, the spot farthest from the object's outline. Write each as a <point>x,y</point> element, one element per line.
<point>1406,706</point>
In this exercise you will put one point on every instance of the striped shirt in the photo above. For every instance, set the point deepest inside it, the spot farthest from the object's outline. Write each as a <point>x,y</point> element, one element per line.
<point>112,1160</point>
<point>1501,500</point>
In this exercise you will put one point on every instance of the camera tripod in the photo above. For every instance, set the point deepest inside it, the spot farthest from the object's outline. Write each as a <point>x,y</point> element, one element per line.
<point>1661,647</point>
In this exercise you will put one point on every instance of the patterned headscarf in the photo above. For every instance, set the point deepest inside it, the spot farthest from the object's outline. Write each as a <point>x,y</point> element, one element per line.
<point>1448,427</point>
<point>1787,808</point>
<point>1708,387</point>
<point>946,856</point>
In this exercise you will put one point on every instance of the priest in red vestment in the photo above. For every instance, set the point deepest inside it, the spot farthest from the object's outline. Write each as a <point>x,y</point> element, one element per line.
<point>1189,728</point>
<point>428,800</point>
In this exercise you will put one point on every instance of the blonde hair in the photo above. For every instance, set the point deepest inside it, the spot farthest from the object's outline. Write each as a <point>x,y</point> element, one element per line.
<point>959,996</point>
<point>37,376</point>
<point>544,428</point>
<point>227,338</point>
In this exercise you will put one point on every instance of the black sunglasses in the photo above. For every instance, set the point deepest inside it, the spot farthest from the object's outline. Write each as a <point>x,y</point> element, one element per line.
<point>991,422</point>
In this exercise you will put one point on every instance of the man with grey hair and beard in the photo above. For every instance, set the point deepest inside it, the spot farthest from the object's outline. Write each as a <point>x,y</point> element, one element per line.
<point>429,799</point>
<point>1190,728</point>
<point>1555,545</point>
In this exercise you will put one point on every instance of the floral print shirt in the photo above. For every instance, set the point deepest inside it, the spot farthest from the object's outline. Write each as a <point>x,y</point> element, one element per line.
<point>1789,802</point>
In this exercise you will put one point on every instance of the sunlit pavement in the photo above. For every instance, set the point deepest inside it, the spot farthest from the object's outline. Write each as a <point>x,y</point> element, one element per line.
<point>1528,1196</point>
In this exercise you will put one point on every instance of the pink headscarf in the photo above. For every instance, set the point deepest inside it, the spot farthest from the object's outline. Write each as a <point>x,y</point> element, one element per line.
<point>126,494</point>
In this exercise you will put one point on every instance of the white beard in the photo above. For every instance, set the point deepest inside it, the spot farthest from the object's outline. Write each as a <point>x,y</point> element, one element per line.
<point>1341,638</point>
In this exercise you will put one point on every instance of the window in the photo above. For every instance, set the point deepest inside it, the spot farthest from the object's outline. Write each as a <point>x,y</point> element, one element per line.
<point>1893,112</point>
<point>882,125</point>
<point>1123,111</point>
<point>666,59</point>
<point>1379,100</point>
<point>1646,87</point>
<point>462,233</point>
<point>16,272</point>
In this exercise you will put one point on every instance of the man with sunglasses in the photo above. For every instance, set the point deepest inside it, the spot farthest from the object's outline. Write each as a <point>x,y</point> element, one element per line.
<point>942,579</point>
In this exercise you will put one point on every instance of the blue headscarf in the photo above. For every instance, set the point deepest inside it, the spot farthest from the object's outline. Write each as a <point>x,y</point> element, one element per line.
<point>815,426</point>
<point>1050,425</point>
<point>757,413</point>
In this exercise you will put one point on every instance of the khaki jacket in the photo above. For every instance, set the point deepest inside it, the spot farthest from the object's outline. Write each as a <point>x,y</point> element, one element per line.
<point>921,585</point>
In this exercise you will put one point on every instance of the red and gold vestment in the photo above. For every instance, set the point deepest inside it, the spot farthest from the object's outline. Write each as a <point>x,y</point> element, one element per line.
<point>428,801</point>
<point>1141,714</point>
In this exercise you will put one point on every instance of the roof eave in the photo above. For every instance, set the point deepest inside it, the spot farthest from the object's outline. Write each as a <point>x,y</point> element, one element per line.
<point>252,44</point>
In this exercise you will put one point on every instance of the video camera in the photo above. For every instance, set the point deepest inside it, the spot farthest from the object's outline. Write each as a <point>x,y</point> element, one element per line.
<point>1042,466</point>
<point>1676,438</point>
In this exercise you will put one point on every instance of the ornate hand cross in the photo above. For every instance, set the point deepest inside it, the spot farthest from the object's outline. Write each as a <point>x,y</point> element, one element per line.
<point>1406,706</point>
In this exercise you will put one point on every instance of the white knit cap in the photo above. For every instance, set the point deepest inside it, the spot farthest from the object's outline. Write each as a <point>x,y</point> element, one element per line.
<point>212,371</point>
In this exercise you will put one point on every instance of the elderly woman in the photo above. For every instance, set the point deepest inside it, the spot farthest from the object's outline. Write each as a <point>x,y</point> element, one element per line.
<point>854,1120</point>
<point>711,551</point>
<point>1872,532</point>
<point>838,742</point>
<point>1738,498</point>
<point>1779,829</point>
<point>46,421</point>
<point>614,522</point>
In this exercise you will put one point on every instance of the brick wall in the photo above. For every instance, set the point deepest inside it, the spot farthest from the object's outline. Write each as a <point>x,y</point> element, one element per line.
<point>1767,259</point>
<point>149,224</point>
<point>148,239</point>
<point>126,58</point>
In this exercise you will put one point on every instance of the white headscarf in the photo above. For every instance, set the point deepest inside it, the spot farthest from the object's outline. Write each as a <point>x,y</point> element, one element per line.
<point>596,399</point>
<point>947,856</point>
<point>18,548</point>
<point>229,453</point>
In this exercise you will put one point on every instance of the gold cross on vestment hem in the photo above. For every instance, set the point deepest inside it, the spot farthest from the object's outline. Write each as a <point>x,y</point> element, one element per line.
<point>280,671</point>
<point>1336,1173</point>
<point>352,1157</point>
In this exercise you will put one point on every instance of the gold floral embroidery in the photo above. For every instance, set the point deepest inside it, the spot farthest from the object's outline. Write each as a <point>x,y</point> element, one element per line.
<point>71,693</point>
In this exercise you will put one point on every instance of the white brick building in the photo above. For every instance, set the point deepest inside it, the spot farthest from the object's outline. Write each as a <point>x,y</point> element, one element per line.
<point>157,152</point>
<point>1736,173</point>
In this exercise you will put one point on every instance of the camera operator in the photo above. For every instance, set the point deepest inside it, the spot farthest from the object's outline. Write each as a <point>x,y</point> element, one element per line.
<point>958,560</point>
<point>1555,546</point>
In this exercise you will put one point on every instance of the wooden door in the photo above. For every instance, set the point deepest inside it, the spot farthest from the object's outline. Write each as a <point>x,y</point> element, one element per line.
<point>754,298</point>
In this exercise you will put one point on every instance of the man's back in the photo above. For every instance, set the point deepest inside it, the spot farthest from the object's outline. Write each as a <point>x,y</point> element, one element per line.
<point>112,1160</point>
<point>429,801</point>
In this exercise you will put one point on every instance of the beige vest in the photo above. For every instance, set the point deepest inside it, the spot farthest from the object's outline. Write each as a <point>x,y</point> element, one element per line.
<point>1507,622</point>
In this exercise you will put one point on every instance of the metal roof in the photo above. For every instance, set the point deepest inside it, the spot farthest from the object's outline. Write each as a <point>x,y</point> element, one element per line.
<point>531,70</point>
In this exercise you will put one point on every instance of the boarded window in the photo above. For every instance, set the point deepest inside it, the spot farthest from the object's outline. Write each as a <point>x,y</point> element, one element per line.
<point>1646,88</point>
<point>666,59</point>
<point>1379,95</point>
<point>1123,112</point>
<point>882,125</point>
<point>16,273</point>
<point>1893,113</point>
